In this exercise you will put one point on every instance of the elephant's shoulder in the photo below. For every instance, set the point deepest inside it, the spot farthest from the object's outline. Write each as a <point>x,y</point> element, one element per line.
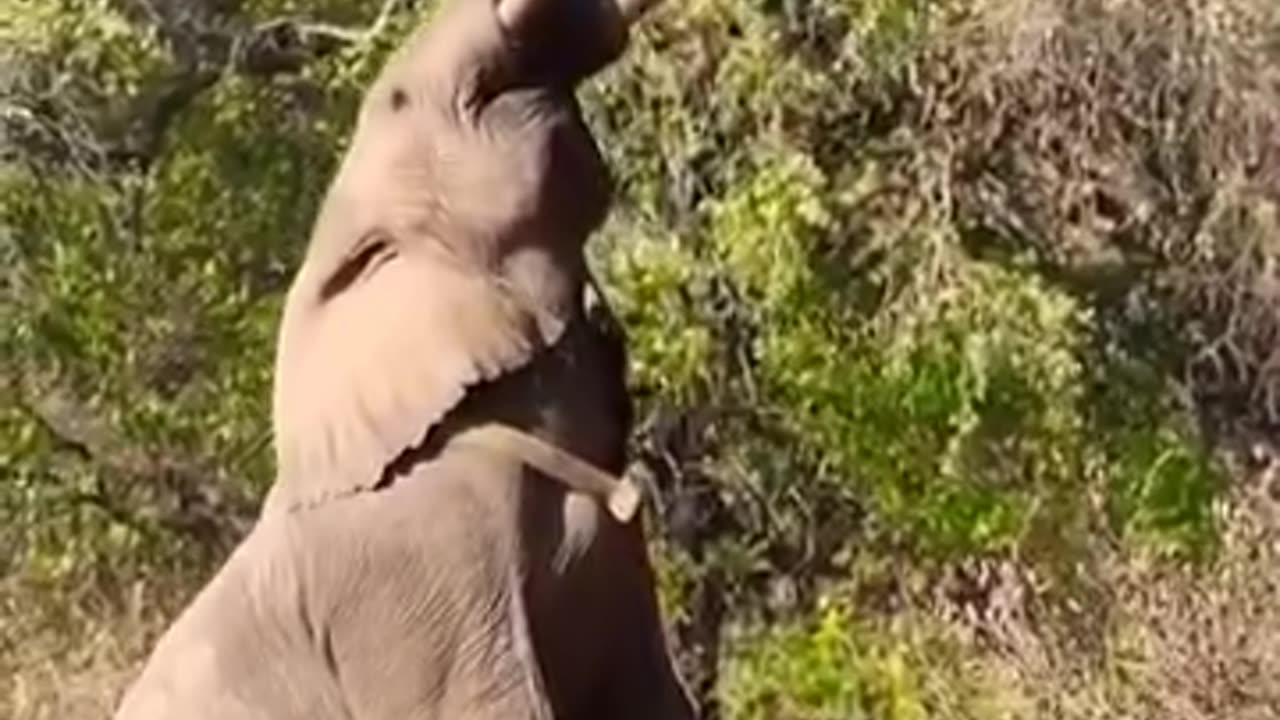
<point>379,571</point>
<point>426,506</point>
<point>235,633</point>
<point>433,522</point>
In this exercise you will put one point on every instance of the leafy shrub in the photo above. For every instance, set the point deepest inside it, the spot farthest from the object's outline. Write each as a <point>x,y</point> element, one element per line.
<point>916,287</point>
<point>826,668</point>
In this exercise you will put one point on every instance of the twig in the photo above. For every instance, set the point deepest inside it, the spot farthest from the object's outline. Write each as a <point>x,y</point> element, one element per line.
<point>348,35</point>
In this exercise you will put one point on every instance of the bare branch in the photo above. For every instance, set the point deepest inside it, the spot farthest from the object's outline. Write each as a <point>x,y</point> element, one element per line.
<point>346,35</point>
<point>153,111</point>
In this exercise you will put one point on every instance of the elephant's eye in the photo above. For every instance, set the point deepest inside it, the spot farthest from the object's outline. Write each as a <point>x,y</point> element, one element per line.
<point>370,251</point>
<point>399,98</point>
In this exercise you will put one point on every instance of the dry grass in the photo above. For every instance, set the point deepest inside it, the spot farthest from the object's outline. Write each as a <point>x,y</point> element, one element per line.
<point>71,659</point>
<point>1134,147</point>
<point>1161,643</point>
<point>1168,643</point>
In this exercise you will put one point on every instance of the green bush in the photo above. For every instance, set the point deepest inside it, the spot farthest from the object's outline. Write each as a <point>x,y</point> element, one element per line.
<point>830,667</point>
<point>915,286</point>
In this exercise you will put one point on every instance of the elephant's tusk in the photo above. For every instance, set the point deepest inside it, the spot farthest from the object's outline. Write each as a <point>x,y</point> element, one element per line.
<point>620,495</point>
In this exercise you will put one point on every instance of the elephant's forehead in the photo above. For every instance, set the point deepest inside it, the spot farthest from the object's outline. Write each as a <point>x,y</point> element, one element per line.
<point>460,39</point>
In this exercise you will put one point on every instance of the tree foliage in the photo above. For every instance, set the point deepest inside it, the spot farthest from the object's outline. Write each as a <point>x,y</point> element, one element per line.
<point>912,288</point>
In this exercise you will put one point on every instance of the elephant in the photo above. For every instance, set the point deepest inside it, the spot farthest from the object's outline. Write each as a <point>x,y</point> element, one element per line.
<point>447,535</point>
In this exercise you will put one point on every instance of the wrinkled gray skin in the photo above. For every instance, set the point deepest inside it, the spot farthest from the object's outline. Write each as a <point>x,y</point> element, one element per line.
<point>400,569</point>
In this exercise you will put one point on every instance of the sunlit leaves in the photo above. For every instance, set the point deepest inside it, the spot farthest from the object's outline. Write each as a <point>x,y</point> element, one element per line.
<point>951,394</point>
<point>764,231</point>
<point>671,349</point>
<point>80,44</point>
<point>831,667</point>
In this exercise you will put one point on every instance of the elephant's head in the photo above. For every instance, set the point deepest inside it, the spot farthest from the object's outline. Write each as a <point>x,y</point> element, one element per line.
<point>449,248</point>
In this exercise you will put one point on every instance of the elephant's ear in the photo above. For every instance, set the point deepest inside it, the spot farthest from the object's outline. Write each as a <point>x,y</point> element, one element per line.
<point>373,354</point>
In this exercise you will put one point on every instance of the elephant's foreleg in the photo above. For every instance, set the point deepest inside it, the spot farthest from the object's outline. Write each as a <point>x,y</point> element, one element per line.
<point>644,684</point>
<point>479,671</point>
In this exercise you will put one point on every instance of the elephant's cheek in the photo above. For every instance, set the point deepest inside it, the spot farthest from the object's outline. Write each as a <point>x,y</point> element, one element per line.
<point>581,516</point>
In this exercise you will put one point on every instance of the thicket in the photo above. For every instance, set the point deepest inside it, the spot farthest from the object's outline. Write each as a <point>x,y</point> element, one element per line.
<point>953,328</point>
